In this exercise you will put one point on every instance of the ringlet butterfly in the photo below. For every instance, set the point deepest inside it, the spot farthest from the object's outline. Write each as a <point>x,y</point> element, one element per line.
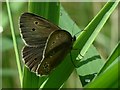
<point>46,44</point>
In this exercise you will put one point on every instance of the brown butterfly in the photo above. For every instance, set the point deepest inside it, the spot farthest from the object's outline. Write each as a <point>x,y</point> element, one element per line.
<point>45,43</point>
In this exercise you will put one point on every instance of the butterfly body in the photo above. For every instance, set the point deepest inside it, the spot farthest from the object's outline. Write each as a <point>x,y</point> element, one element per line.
<point>45,43</point>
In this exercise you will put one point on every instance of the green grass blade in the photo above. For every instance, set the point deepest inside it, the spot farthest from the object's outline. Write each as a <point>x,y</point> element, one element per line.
<point>91,31</point>
<point>39,8</point>
<point>14,41</point>
<point>53,12</point>
<point>115,54</point>
<point>93,28</point>
<point>108,79</point>
<point>89,66</point>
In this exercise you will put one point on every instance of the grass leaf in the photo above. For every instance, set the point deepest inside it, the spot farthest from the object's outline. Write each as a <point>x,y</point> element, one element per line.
<point>14,41</point>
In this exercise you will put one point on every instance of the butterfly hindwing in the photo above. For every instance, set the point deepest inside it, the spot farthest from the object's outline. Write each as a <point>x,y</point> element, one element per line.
<point>57,38</point>
<point>58,45</point>
<point>32,57</point>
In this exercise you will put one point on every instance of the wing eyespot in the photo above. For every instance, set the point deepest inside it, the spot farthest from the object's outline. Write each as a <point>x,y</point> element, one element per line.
<point>46,67</point>
<point>33,29</point>
<point>53,42</point>
<point>36,22</point>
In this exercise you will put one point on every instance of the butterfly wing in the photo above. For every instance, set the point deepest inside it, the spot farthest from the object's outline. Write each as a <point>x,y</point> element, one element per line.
<point>58,45</point>
<point>57,38</point>
<point>32,56</point>
<point>35,31</point>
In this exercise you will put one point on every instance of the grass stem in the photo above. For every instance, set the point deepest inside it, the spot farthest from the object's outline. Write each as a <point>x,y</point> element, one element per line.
<point>14,41</point>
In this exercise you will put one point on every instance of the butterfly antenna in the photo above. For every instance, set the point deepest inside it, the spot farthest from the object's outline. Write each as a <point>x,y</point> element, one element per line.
<point>79,32</point>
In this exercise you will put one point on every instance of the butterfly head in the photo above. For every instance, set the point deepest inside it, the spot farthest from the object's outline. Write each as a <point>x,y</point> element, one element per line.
<point>74,38</point>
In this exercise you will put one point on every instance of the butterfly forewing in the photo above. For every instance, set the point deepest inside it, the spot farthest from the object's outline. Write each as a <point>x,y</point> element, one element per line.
<point>35,29</point>
<point>58,45</point>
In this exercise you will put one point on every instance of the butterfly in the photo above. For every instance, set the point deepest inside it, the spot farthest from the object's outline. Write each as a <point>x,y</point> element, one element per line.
<point>46,44</point>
